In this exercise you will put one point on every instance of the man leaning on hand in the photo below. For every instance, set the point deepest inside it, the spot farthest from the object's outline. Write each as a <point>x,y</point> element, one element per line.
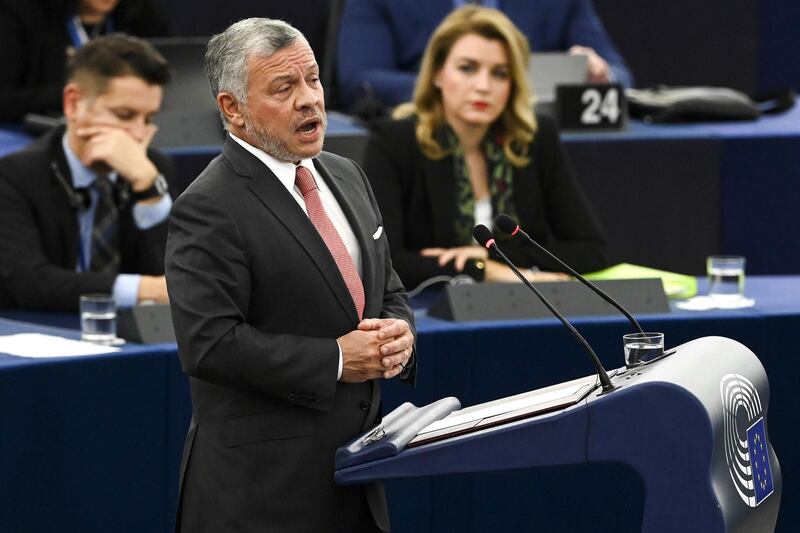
<point>84,209</point>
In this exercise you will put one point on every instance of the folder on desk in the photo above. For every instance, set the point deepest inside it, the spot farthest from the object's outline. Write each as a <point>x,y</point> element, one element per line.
<point>675,285</point>
<point>505,410</point>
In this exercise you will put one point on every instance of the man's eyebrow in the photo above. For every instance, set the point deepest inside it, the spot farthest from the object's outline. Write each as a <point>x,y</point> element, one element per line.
<point>282,78</point>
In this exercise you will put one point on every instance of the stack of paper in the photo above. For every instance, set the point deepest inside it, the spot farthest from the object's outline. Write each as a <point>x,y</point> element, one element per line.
<point>38,345</point>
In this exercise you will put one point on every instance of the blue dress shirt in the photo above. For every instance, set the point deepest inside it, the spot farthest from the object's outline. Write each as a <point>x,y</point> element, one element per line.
<point>126,286</point>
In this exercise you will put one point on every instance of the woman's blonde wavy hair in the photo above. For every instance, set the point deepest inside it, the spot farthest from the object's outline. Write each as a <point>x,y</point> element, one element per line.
<point>517,122</point>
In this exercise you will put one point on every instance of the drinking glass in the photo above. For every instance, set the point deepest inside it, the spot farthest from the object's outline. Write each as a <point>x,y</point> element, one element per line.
<point>98,318</point>
<point>725,279</point>
<point>642,347</point>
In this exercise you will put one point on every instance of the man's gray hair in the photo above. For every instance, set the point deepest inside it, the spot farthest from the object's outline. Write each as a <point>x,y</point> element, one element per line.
<point>227,52</point>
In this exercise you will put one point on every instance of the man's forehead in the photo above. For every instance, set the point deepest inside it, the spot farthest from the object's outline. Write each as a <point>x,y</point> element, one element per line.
<point>131,92</point>
<point>284,61</point>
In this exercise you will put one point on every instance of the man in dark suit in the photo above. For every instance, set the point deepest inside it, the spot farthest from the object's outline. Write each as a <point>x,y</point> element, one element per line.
<point>286,308</point>
<point>85,208</point>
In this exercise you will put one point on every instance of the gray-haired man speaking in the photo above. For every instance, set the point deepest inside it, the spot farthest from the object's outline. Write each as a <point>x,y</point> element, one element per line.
<point>286,308</point>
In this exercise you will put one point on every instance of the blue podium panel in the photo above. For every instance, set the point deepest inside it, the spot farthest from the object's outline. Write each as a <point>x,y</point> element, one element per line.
<point>692,425</point>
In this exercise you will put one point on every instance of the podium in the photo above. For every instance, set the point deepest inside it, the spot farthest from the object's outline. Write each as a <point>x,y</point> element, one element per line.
<point>693,425</point>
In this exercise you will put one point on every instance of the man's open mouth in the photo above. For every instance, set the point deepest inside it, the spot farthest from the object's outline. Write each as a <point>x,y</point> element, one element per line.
<point>308,126</point>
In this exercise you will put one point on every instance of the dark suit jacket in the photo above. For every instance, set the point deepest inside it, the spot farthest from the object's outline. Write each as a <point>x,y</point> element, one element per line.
<point>381,42</point>
<point>257,303</point>
<point>33,49</point>
<point>417,197</point>
<point>39,234</point>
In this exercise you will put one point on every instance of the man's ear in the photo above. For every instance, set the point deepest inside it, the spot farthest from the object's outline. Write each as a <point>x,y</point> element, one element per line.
<point>70,99</point>
<point>231,108</point>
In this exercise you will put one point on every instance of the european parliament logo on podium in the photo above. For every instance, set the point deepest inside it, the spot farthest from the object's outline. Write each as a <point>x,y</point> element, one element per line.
<point>759,460</point>
<point>746,450</point>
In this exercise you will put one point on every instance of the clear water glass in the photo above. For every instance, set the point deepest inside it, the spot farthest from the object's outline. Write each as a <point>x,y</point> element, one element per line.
<point>98,318</point>
<point>642,347</point>
<point>725,279</point>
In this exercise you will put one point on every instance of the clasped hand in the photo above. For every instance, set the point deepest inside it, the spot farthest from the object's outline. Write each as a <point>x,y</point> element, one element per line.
<point>380,347</point>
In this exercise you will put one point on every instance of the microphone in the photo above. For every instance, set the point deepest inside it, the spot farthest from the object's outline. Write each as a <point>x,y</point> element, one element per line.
<point>485,237</point>
<point>509,226</point>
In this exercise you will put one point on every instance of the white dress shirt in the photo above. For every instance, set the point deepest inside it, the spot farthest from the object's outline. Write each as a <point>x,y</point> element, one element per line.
<point>285,172</point>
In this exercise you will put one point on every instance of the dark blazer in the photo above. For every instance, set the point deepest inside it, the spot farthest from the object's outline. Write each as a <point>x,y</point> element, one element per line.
<point>257,303</point>
<point>417,197</point>
<point>397,32</point>
<point>39,234</point>
<point>34,43</point>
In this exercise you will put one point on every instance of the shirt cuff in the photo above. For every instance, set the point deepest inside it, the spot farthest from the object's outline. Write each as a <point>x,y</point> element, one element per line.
<point>126,289</point>
<point>341,362</point>
<point>148,215</point>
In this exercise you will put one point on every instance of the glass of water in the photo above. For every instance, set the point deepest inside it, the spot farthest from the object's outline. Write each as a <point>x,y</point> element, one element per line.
<point>642,347</point>
<point>98,318</point>
<point>725,279</point>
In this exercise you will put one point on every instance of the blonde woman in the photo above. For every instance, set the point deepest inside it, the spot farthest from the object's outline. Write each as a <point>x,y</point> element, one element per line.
<point>469,147</point>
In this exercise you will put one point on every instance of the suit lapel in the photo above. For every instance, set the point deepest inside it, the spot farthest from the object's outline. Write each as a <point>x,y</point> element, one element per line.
<point>441,188</point>
<point>347,195</point>
<point>63,211</point>
<point>271,192</point>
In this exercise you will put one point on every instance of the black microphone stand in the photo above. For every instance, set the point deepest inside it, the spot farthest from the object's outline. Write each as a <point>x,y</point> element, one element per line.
<point>510,227</point>
<point>484,236</point>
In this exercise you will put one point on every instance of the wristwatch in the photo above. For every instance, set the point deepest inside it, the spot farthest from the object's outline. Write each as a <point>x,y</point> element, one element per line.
<point>158,188</point>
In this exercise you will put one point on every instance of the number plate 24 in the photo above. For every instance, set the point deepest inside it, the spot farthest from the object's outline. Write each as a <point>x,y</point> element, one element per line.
<point>591,107</point>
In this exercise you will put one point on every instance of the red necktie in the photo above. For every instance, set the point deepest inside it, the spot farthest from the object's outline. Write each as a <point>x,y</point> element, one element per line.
<point>308,188</point>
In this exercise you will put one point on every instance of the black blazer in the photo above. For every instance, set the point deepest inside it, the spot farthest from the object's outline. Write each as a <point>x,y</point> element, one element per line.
<point>39,234</point>
<point>33,48</point>
<point>257,303</point>
<point>417,197</point>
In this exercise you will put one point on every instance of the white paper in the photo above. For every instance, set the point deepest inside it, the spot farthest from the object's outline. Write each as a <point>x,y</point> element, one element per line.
<point>505,405</point>
<point>706,303</point>
<point>38,345</point>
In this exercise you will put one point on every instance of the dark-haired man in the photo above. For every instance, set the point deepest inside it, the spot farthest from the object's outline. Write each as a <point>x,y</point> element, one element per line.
<point>84,209</point>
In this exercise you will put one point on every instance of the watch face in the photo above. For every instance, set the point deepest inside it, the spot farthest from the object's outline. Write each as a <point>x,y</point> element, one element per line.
<point>158,188</point>
<point>161,185</point>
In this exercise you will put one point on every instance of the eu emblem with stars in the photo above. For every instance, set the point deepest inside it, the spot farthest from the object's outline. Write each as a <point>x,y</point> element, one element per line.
<point>759,460</point>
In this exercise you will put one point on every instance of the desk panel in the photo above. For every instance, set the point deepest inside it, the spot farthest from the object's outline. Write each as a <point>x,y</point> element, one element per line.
<point>82,441</point>
<point>759,202</point>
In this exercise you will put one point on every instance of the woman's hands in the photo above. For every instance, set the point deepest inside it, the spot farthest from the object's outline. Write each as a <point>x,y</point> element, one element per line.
<point>460,255</point>
<point>495,270</point>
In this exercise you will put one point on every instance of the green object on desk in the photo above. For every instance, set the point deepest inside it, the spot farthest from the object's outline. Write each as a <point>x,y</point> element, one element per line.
<point>677,286</point>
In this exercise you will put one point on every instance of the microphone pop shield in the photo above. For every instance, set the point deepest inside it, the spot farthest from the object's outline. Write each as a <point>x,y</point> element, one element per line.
<point>506,224</point>
<point>483,235</point>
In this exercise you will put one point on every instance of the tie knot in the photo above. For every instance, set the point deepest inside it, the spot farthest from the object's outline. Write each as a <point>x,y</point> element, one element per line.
<point>304,180</point>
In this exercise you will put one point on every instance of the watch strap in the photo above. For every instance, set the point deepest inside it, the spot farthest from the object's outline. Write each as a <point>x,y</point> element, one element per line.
<point>160,187</point>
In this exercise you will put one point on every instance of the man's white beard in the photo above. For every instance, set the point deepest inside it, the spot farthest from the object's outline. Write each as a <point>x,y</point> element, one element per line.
<point>274,145</point>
